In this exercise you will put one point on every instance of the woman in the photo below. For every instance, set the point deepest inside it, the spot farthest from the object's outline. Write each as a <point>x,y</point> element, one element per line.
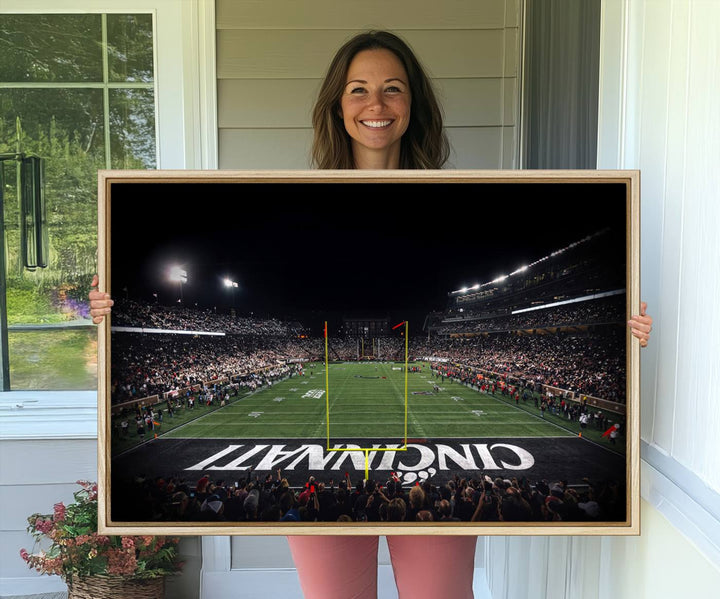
<point>377,110</point>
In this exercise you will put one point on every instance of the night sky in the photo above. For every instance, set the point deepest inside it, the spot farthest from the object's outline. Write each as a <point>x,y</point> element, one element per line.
<point>356,249</point>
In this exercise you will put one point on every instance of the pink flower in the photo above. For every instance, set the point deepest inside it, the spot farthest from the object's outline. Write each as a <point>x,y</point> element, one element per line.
<point>43,526</point>
<point>53,566</point>
<point>59,512</point>
<point>128,543</point>
<point>24,555</point>
<point>121,561</point>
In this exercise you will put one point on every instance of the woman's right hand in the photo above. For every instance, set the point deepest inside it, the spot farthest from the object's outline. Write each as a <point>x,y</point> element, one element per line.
<point>100,302</point>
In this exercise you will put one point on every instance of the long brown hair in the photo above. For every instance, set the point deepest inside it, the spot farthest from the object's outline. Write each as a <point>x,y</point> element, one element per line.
<point>424,144</point>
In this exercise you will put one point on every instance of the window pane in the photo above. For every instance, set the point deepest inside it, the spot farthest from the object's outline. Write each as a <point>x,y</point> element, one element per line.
<point>65,128</point>
<point>52,341</point>
<point>42,48</point>
<point>132,128</point>
<point>130,48</point>
<point>52,121</point>
<point>54,359</point>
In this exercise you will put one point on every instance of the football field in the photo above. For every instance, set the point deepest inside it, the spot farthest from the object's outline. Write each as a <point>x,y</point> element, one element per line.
<point>367,401</point>
<point>371,419</point>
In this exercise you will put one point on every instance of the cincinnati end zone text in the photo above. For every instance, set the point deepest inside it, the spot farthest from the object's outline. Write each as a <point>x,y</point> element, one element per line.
<point>570,459</point>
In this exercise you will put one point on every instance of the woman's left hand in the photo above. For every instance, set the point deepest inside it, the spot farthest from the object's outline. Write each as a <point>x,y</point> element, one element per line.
<point>641,325</point>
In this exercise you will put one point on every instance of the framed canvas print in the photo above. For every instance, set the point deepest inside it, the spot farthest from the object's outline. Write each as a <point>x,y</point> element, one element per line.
<point>361,352</point>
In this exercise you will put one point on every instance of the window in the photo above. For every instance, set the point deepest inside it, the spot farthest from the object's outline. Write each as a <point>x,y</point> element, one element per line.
<point>77,91</point>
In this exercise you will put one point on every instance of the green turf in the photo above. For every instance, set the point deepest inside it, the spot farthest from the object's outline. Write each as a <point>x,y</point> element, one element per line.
<point>366,403</point>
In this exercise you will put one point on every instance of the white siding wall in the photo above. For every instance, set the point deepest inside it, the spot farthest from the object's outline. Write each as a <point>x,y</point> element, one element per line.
<point>271,57</point>
<point>659,90</point>
<point>672,132</point>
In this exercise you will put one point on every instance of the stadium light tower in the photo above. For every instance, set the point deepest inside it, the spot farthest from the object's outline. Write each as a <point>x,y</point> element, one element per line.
<point>232,286</point>
<point>178,275</point>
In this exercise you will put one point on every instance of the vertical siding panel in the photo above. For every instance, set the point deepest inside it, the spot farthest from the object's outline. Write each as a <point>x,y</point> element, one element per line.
<point>557,567</point>
<point>497,567</point>
<point>611,85</point>
<point>519,553</point>
<point>673,233</point>
<point>653,151</point>
<point>697,413</point>
<point>630,71</point>
<point>538,566</point>
<point>509,158</point>
<point>513,13</point>
<point>584,577</point>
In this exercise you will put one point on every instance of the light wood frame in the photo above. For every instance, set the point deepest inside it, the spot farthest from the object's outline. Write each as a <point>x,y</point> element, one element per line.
<point>630,179</point>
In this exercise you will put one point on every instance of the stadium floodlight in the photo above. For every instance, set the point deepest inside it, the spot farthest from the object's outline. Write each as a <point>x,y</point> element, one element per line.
<point>178,275</point>
<point>231,286</point>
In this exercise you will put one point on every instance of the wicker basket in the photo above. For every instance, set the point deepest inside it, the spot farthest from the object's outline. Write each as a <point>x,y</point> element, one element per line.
<point>116,587</point>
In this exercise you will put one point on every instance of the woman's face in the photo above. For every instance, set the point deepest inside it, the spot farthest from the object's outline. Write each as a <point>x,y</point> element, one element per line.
<point>375,105</point>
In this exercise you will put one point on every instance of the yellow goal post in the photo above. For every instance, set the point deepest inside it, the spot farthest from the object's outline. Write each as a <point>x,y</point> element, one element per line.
<point>366,450</point>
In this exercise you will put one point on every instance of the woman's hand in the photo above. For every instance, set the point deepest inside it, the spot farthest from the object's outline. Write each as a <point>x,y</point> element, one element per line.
<point>100,302</point>
<point>641,325</point>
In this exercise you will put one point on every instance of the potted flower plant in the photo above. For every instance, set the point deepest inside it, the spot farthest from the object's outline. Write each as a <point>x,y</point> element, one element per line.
<point>95,565</point>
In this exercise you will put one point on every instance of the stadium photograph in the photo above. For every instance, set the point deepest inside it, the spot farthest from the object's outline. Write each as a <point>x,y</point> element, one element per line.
<point>367,353</point>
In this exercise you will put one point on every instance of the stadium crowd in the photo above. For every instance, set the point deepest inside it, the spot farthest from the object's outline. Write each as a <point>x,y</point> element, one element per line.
<point>146,364</point>
<point>589,364</point>
<point>603,311</point>
<point>131,313</point>
<point>154,364</point>
<point>272,498</point>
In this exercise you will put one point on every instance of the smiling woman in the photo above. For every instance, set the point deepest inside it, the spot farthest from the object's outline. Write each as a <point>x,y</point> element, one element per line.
<point>377,109</point>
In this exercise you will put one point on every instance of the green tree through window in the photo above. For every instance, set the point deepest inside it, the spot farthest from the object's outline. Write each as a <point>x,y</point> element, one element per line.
<point>77,90</point>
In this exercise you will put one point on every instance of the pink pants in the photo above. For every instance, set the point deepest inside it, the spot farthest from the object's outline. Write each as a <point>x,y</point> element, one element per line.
<point>345,567</point>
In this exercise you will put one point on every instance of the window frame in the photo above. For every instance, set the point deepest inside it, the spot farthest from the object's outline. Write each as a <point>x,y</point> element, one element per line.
<point>186,138</point>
